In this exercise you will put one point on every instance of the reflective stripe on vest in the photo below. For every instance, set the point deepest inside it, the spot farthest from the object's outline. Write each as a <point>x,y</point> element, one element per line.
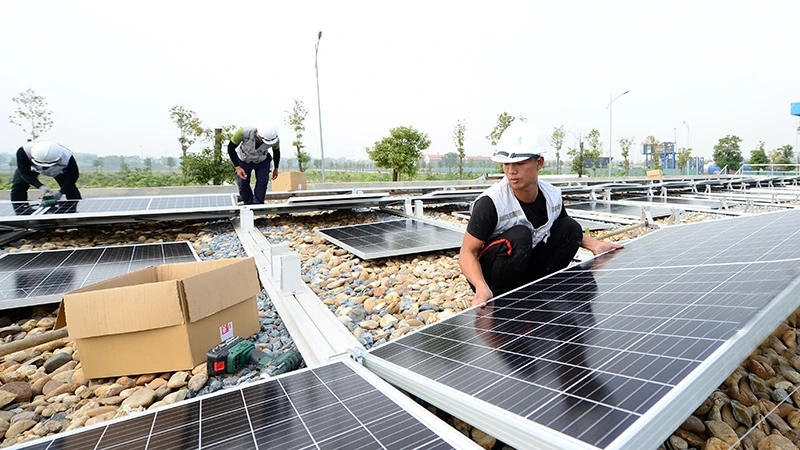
<point>510,213</point>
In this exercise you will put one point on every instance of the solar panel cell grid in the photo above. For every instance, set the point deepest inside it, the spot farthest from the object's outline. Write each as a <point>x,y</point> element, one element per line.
<point>392,238</point>
<point>32,275</point>
<point>589,350</point>
<point>16,209</point>
<point>327,407</point>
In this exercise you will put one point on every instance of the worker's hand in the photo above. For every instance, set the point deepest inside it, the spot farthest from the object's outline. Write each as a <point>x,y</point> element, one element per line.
<point>43,190</point>
<point>604,246</point>
<point>274,174</point>
<point>482,294</point>
<point>57,195</point>
<point>240,173</point>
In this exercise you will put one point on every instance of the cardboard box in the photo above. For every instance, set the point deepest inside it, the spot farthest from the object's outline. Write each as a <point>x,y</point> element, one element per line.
<point>290,181</point>
<point>654,173</point>
<point>161,319</point>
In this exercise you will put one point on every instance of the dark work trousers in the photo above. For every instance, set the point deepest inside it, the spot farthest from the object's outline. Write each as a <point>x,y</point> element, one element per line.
<point>19,188</point>
<point>509,262</point>
<point>250,196</point>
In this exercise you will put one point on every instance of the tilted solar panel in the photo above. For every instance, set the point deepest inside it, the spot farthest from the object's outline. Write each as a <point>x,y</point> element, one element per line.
<point>392,238</point>
<point>31,278</point>
<point>616,352</point>
<point>615,208</point>
<point>328,407</point>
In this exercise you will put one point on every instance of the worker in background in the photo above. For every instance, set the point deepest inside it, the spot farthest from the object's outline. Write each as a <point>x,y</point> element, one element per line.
<point>46,158</point>
<point>519,230</point>
<point>249,150</point>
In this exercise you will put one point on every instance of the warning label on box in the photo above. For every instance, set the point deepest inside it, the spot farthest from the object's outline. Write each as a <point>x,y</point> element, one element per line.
<point>226,331</point>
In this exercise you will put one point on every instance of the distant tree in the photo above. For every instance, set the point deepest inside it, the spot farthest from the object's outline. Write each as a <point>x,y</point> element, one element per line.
<point>656,155</point>
<point>504,119</point>
<point>189,125</point>
<point>578,164</point>
<point>625,144</point>
<point>758,157</point>
<point>98,163</point>
<point>449,161</point>
<point>594,150</point>
<point>459,130</point>
<point>684,155</point>
<point>148,163</point>
<point>208,166</point>
<point>123,165</point>
<point>170,163</point>
<point>782,155</point>
<point>728,153</point>
<point>32,114</point>
<point>556,139</point>
<point>12,163</point>
<point>400,151</point>
<point>296,119</point>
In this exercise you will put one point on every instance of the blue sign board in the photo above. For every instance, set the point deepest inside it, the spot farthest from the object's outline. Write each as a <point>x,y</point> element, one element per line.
<point>796,109</point>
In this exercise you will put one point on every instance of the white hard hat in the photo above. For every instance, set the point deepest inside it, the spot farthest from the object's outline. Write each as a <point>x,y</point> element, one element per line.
<point>45,153</point>
<point>268,132</point>
<point>519,142</point>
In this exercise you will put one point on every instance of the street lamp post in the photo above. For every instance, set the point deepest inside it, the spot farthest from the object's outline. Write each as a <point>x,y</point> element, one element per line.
<point>610,128</point>
<point>688,145</point>
<point>319,109</point>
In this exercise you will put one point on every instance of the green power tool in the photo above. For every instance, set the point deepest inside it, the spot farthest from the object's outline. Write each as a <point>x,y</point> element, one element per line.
<point>231,355</point>
<point>48,200</point>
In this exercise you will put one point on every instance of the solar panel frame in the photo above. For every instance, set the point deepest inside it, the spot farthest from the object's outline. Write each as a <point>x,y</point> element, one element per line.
<point>598,206</point>
<point>69,269</point>
<point>656,423</point>
<point>118,207</point>
<point>392,238</point>
<point>677,202</point>
<point>294,410</point>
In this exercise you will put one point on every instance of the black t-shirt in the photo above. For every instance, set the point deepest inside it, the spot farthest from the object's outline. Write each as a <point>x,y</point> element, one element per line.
<point>483,219</point>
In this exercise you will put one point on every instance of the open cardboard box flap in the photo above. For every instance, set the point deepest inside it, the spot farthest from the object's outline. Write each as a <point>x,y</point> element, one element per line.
<point>158,297</point>
<point>233,281</point>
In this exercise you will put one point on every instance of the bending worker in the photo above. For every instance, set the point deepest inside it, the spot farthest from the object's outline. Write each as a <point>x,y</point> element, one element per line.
<point>46,158</point>
<point>519,230</point>
<point>249,150</point>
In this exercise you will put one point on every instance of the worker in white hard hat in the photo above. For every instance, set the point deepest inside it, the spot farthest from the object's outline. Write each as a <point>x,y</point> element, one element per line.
<point>46,158</point>
<point>519,230</point>
<point>249,150</point>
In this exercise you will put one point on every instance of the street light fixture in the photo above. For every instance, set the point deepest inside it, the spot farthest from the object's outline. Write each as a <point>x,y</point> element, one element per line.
<point>610,128</point>
<point>319,109</point>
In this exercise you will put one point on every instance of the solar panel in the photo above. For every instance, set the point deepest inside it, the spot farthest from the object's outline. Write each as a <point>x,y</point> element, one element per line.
<point>342,198</point>
<point>34,278</point>
<point>671,201</point>
<point>613,353</point>
<point>190,202</point>
<point>616,208</point>
<point>124,204</point>
<point>96,205</point>
<point>392,238</point>
<point>328,407</point>
<point>16,209</point>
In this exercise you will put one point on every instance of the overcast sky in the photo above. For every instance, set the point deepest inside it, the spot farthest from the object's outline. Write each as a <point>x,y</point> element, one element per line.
<point>112,70</point>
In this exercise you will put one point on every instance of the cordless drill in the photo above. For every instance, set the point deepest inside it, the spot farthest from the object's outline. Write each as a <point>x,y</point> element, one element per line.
<point>48,200</point>
<point>231,355</point>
